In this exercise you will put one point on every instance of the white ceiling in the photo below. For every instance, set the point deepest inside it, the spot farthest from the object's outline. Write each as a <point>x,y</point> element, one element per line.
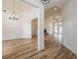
<point>19,5</point>
<point>58,3</point>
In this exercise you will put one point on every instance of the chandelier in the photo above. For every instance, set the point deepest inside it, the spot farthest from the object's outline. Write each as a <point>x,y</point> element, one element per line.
<point>56,18</point>
<point>13,16</point>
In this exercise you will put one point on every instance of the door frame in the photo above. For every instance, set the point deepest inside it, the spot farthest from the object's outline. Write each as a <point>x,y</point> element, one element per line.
<point>40,16</point>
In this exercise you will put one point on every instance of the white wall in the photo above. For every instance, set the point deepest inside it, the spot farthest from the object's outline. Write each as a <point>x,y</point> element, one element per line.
<point>13,29</point>
<point>28,16</point>
<point>70,26</point>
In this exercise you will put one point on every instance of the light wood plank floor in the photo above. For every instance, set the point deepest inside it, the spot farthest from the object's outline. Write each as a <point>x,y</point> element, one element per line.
<point>26,49</point>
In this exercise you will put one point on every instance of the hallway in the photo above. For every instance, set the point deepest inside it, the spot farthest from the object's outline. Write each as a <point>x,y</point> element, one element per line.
<point>26,49</point>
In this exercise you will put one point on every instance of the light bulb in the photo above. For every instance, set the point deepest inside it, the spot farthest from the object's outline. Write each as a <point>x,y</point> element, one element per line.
<point>55,8</point>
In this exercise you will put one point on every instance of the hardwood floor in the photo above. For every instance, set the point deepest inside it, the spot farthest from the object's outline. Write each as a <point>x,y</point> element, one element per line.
<point>26,49</point>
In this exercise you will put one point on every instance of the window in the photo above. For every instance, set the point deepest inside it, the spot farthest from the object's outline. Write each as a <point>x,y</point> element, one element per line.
<point>55,28</point>
<point>60,29</point>
<point>60,23</point>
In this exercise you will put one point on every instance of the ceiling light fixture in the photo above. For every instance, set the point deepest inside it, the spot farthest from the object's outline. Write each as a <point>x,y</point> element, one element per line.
<point>45,1</point>
<point>55,8</point>
<point>13,15</point>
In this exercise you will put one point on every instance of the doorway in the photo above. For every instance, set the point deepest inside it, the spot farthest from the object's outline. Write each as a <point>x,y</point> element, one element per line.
<point>34,28</point>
